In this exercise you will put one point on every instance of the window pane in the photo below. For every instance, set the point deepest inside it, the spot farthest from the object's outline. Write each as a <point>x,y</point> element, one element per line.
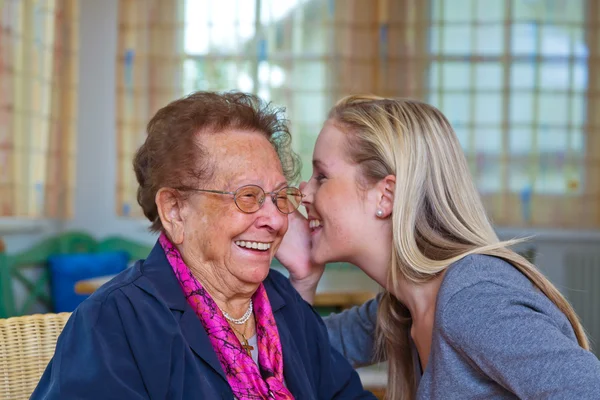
<point>304,139</point>
<point>488,141</point>
<point>456,108</point>
<point>578,42</point>
<point>555,41</point>
<point>279,96</point>
<point>456,75</point>
<point>312,35</point>
<point>458,10</point>
<point>437,11</point>
<point>202,74</point>
<point>489,76</point>
<point>524,38</point>
<point>490,10</point>
<point>578,110</point>
<point>522,75</point>
<point>457,39</point>
<point>520,142</point>
<point>230,34</point>
<point>274,11</point>
<point>433,99</point>
<point>577,141</point>
<point>192,79</point>
<point>436,39</point>
<point>488,108</point>
<point>549,10</point>
<point>463,137</point>
<point>223,37</point>
<point>553,109</point>
<point>310,108</point>
<point>573,11</point>
<point>519,174</point>
<point>524,10</point>
<point>551,178</point>
<point>307,75</point>
<point>196,27</point>
<point>521,107</point>
<point>307,133</point>
<point>488,173</point>
<point>580,76</point>
<point>245,33</point>
<point>553,140</point>
<point>554,76</point>
<point>275,76</point>
<point>490,39</point>
<point>434,75</point>
<point>245,12</point>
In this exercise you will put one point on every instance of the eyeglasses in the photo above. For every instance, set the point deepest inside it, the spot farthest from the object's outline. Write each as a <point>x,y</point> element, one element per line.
<point>250,198</point>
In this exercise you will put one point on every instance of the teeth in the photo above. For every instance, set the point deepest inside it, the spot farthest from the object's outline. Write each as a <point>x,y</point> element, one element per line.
<point>253,245</point>
<point>315,223</point>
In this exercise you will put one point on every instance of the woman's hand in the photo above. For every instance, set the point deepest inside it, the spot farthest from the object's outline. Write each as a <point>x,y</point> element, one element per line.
<point>294,255</point>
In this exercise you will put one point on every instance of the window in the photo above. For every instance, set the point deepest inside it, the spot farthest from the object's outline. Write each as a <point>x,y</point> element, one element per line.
<point>514,78</point>
<point>301,54</point>
<point>38,85</point>
<point>282,58</point>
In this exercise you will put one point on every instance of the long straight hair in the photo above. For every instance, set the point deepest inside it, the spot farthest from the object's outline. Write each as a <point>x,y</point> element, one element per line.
<point>438,217</point>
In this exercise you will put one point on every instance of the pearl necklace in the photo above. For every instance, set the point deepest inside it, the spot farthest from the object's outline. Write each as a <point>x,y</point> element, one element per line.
<point>239,321</point>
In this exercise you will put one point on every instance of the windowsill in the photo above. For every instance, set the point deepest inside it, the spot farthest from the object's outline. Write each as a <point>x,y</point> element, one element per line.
<point>14,226</point>
<point>563,235</point>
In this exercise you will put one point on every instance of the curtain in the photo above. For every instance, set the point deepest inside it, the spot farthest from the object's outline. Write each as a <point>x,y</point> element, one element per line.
<point>38,115</point>
<point>149,75</point>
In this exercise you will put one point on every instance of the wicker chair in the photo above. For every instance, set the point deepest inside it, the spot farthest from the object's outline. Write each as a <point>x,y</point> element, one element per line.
<point>26,345</point>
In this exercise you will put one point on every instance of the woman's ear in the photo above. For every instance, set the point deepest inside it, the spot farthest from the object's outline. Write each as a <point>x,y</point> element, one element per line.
<point>385,196</point>
<point>169,207</point>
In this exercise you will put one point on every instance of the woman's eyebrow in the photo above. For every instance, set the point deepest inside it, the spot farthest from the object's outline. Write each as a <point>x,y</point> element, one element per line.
<point>280,186</point>
<point>318,164</point>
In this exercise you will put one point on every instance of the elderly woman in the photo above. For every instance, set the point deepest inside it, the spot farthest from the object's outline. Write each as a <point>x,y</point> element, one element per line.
<point>203,316</point>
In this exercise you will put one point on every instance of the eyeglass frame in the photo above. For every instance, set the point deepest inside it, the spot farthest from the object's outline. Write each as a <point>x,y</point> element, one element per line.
<point>270,194</point>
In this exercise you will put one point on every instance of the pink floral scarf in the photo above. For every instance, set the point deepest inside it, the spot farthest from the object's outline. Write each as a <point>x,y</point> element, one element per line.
<point>242,373</point>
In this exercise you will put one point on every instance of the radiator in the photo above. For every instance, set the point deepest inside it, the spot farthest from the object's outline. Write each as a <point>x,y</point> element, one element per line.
<point>582,278</point>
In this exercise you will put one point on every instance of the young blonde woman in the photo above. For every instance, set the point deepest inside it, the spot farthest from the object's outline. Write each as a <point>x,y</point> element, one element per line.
<point>462,315</point>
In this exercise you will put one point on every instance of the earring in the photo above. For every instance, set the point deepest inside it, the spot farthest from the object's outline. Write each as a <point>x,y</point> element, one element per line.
<point>379,213</point>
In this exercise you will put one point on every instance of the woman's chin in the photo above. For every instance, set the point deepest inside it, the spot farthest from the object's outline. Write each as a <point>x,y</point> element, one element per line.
<point>320,256</point>
<point>258,275</point>
<point>250,273</point>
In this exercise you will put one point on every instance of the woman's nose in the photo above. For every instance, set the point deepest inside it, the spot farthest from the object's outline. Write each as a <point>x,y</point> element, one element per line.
<point>270,216</point>
<point>305,189</point>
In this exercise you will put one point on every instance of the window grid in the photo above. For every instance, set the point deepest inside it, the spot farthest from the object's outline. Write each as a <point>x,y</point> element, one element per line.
<point>513,127</point>
<point>511,179</point>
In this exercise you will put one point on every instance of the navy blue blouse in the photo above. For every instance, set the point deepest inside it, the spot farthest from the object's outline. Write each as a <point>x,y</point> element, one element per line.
<point>138,338</point>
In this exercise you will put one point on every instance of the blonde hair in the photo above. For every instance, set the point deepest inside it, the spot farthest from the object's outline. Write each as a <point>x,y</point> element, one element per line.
<point>438,217</point>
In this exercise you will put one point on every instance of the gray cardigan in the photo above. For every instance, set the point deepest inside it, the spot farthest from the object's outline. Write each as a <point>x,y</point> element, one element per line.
<point>494,336</point>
